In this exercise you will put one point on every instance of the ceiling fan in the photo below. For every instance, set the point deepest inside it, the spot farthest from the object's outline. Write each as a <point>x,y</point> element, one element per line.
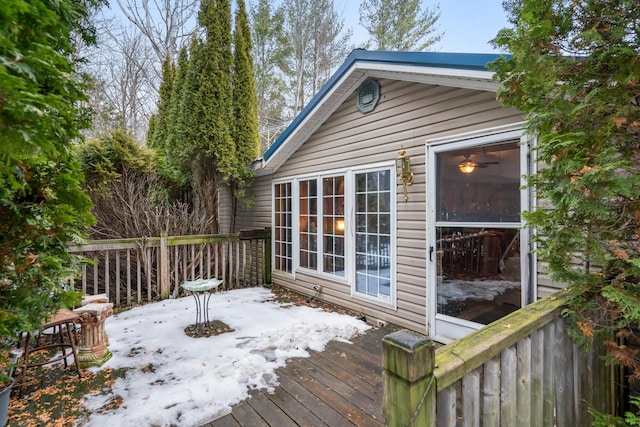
<point>467,165</point>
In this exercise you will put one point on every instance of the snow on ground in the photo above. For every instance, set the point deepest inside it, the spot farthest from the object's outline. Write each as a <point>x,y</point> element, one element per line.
<point>178,380</point>
<point>475,290</point>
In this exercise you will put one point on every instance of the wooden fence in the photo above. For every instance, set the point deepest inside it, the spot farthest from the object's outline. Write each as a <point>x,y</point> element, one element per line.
<point>522,370</point>
<point>133,271</point>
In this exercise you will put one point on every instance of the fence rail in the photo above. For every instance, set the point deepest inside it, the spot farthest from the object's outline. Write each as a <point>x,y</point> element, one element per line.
<point>133,271</point>
<point>523,370</point>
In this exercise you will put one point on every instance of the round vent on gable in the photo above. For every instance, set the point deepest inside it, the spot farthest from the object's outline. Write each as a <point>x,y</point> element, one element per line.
<point>368,96</point>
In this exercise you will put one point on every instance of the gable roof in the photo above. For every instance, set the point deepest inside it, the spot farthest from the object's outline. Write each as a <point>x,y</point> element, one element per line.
<point>463,70</point>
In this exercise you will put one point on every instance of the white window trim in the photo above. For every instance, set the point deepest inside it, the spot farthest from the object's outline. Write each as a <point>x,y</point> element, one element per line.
<point>393,300</point>
<point>349,233</point>
<point>273,221</point>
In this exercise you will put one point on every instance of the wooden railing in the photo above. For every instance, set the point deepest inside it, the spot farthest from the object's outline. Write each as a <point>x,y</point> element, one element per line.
<point>523,370</point>
<point>133,271</point>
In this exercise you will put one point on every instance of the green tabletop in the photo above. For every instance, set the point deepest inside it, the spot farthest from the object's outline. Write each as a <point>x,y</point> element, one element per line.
<point>201,285</point>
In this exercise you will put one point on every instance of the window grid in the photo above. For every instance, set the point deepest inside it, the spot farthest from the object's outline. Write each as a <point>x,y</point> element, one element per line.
<point>309,224</point>
<point>321,242</point>
<point>333,253</point>
<point>373,233</point>
<point>282,227</point>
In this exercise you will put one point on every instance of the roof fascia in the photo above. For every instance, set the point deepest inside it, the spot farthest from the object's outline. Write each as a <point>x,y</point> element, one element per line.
<point>465,79</point>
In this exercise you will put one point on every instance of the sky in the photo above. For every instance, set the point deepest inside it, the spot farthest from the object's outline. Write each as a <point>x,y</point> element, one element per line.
<point>468,25</point>
<point>174,379</point>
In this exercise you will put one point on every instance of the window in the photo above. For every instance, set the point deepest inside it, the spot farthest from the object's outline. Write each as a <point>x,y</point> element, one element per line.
<point>282,227</point>
<point>309,224</point>
<point>373,233</point>
<point>333,225</point>
<point>340,226</point>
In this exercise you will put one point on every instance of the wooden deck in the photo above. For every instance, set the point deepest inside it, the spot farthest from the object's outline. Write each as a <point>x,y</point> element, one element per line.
<point>341,386</point>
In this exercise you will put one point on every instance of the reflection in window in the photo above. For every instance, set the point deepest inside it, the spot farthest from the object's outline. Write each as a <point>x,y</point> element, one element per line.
<point>309,224</point>
<point>282,227</point>
<point>489,193</point>
<point>333,255</point>
<point>324,232</point>
<point>479,277</point>
<point>373,233</point>
<point>478,264</point>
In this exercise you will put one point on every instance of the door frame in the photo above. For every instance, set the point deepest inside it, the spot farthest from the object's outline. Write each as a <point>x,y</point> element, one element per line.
<point>443,328</point>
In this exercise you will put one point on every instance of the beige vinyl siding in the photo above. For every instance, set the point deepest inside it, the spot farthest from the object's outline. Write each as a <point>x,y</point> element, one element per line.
<point>224,208</point>
<point>546,286</point>
<point>406,116</point>
<point>259,215</point>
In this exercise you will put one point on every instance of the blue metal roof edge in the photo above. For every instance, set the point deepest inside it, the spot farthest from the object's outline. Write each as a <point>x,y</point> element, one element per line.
<point>458,61</point>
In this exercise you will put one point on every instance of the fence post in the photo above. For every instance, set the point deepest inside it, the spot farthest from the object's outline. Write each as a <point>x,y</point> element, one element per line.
<point>266,251</point>
<point>163,268</point>
<point>409,394</point>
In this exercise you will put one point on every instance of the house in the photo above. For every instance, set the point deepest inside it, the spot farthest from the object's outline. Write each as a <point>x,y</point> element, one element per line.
<point>397,193</point>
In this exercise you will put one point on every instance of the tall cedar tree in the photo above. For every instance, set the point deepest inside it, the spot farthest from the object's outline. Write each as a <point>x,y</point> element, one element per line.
<point>158,124</point>
<point>213,148</point>
<point>575,74</point>
<point>42,206</point>
<point>173,157</point>
<point>400,24</point>
<point>245,110</point>
<point>190,147</point>
<point>162,126</point>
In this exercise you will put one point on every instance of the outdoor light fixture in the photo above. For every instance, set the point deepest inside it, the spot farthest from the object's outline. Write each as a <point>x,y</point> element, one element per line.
<point>403,166</point>
<point>467,166</point>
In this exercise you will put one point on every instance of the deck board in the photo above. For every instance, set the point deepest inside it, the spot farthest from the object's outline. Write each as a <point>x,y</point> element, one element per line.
<point>269,411</point>
<point>244,415</point>
<point>339,386</point>
<point>313,403</point>
<point>356,407</point>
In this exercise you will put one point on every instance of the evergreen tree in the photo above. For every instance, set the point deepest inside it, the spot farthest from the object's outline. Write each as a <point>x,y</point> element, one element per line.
<point>42,206</point>
<point>400,24</point>
<point>245,108</point>
<point>188,147</point>
<point>172,157</point>
<point>212,148</point>
<point>104,159</point>
<point>575,72</point>
<point>159,122</point>
<point>216,91</point>
<point>176,130</point>
<point>212,126</point>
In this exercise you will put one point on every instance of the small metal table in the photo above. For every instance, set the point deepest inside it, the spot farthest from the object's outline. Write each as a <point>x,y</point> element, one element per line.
<point>201,291</point>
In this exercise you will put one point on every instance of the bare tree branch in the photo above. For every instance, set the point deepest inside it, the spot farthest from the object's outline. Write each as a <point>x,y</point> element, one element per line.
<point>165,23</point>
